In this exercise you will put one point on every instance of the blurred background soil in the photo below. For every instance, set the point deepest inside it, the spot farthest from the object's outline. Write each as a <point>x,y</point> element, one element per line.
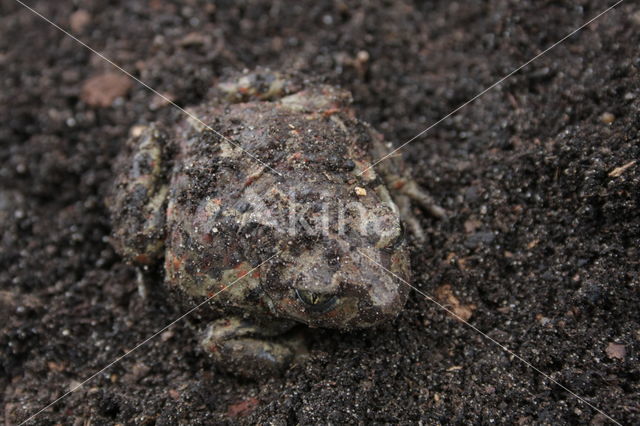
<point>541,174</point>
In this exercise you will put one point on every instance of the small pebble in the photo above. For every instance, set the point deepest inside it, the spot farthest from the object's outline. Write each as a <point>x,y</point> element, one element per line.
<point>607,118</point>
<point>79,20</point>
<point>137,130</point>
<point>193,39</point>
<point>616,351</point>
<point>102,90</point>
<point>363,56</point>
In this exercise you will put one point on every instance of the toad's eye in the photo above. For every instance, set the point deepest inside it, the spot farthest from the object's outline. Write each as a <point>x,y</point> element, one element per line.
<point>318,302</point>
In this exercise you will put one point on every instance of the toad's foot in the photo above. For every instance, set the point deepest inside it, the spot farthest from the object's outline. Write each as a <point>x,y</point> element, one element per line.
<point>409,218</point>
<point>251,350</point>
<point>404,191</point>
<point>411,189</point>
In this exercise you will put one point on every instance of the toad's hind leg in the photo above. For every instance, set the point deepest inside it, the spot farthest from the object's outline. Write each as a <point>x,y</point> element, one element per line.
<point>249,349</point>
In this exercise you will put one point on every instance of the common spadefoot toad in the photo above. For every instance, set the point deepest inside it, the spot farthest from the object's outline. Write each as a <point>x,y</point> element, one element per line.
<point>285,179</point>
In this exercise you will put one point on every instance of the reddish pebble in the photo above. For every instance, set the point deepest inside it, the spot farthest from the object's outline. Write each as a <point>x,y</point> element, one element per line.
<point>242,408</point>
<point>79,20</point>
<point>103,89</point>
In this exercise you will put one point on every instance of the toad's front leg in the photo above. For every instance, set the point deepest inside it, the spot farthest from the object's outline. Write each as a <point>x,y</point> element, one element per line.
<point>138,198</point>
<point>137,201</point>
<point>402,188</point>
<point>251,349</point>
<point>411,189</point>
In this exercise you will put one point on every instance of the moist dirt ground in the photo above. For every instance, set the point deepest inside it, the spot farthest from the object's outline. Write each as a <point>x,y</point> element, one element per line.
<point>541,176</point>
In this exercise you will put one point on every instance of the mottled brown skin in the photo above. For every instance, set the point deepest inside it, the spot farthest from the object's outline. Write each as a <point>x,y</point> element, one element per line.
<point>186,197</point>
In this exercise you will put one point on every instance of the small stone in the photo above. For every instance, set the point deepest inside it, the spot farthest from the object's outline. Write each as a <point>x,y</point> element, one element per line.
<point>79,20</point>
<point>166,335</point>
<point>471,225</point>
<point>137,372</point>
<point>361,192</point>
<point>607,118</point>
<point>103,89</point>
<point>616,351</point>
<point>363,56</point>
<point>137,130</point>
<point>193,39</point>
<point>54,366</point>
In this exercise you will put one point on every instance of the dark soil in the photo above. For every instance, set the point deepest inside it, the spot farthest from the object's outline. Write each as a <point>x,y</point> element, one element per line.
<point>542,249</point>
